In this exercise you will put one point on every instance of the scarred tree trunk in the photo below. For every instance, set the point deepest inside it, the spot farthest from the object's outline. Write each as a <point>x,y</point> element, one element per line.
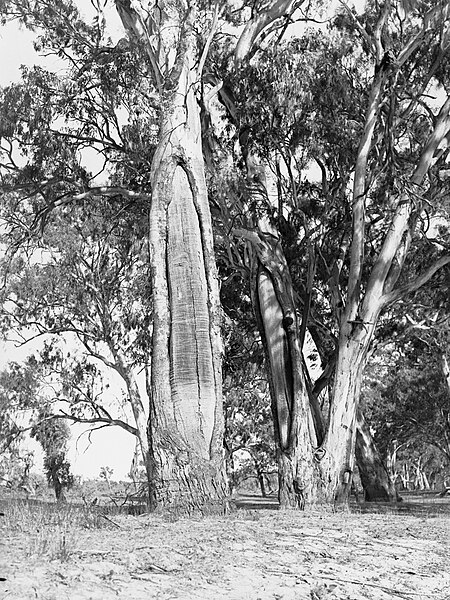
<point>275,310</point>
<point>375,478</point>
<point>186,416</point>
<point>294,431</point>
<point>186,424</point>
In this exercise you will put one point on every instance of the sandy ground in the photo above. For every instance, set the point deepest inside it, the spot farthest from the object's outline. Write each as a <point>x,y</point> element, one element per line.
<point>249,554</point>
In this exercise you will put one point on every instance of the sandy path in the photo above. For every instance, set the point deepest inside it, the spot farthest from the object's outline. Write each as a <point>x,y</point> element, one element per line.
<point>254,555</point>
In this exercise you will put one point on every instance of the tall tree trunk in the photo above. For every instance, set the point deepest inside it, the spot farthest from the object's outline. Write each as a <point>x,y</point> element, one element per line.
<point>338,449</point>
<point>186,424</point>
<point>375,478</point>
<point>140,415</point>
<point>262,483</point>
<point>294,430</point>
<point>374,475</point>
<point>362,308</point>
<point>186,418</point>
<point>275,310</point>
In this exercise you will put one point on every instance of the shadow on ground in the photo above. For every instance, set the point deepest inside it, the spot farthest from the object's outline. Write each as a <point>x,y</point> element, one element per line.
<point>415,503</point>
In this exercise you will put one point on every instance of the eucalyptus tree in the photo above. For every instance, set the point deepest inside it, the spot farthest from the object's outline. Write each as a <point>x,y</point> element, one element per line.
<point>249,439</point>
<point>83,283</point>
<point>76,259</point>
<point>390,147</point>
<point>186,377</point>
<point>409,404</point>
<point>171,43</point>
<point>17,391</point>
<point>387,151</point>
<point>53,435</point>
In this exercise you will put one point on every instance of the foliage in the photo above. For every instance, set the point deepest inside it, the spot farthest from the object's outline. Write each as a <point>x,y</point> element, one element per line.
<point>58,116</point>
<point>249,434</point>
<point>410,401</point>
<point>53,435</point>
<point>82,288</point>
<point>106,473</point>
<point>18,388</point>
<point>76,256</point>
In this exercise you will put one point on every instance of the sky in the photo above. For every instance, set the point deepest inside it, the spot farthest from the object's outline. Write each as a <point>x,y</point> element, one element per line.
<point>110,447</point>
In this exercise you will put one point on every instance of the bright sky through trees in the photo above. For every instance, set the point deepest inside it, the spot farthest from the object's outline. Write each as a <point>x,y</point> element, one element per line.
<point>113,448</point>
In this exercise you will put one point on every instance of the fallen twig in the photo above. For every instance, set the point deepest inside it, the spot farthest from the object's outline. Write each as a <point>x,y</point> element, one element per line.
<point>405,594</point>
<point>111,521</point>
<point>154,570</point>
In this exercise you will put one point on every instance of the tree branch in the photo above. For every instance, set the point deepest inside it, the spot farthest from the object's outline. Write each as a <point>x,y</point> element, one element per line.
<point>104,420</point>
<point>413,286</point>
<point>359,198</point>
<point>91,193</point>
<point>136,28</point>
<point>393,239</point>
<point>439,11</point>
<point>207,45</point>
<point>258,24</point>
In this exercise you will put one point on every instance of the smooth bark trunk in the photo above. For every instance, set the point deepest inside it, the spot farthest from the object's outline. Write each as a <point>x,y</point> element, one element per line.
<point>374,475</point>
<point>140,415</point>
<point>446,370</point>
<point>141,421</point>
<point>337,453</point>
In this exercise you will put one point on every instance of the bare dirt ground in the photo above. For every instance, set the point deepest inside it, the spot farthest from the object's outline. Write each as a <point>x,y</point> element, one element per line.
<point>250,554</point>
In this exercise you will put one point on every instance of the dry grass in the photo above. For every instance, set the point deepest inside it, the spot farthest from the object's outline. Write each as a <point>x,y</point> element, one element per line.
<point>51,530</point>
<point>73,554</point>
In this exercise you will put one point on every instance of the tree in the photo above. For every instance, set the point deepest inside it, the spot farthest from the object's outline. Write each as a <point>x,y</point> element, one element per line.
<point>376,480</point>
<point>405,393</point>
<point>87,290</point>
<point>53,435</point>
<point>367,295</point>
<point>408,406</point>
<point>106,473</point>
<point>357,245</point>
<point>17,399</point>
<point>186,341</point>
<point>249,425</point>
<point>26,408</point>
<point>85,262</point>
<point>186,424</point>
